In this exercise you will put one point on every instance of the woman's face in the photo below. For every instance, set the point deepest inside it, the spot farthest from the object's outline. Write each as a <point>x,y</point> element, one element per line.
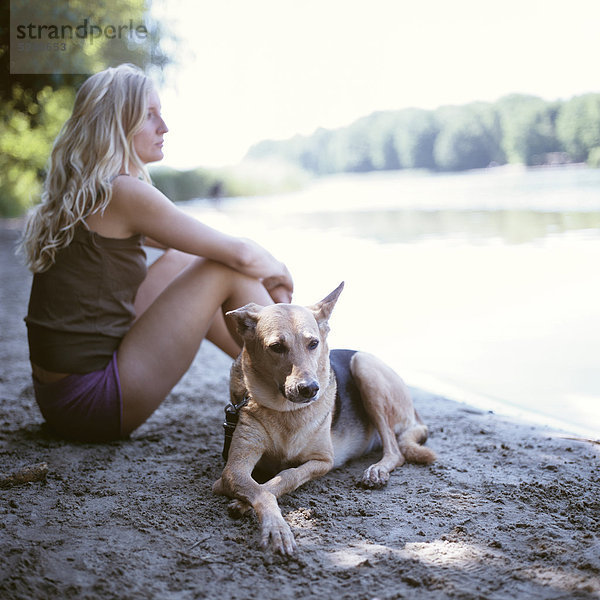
<point>148,141</point>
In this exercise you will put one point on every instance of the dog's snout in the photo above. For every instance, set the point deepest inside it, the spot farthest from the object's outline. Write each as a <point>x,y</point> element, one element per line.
<point>308,390</point>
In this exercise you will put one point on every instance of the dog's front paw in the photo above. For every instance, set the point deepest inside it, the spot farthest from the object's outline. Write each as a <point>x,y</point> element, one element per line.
<point>276,533</point>
<point>238,508</point>
<point>375,477</point>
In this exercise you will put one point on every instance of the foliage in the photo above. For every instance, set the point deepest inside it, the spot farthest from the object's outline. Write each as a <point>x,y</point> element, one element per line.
<point>578,125</point>
<point>529,128</point>
<point>414,134</point>
<point>468,138</point>
<point>594,158</point>
<point>184,185</point>
<point>34,106</point>
<point>24,149</point>
<point>516,129</point>
<point>247,179</point>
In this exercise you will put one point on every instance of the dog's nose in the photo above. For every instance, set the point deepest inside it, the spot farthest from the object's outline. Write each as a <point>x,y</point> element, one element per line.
<point>308,390</point>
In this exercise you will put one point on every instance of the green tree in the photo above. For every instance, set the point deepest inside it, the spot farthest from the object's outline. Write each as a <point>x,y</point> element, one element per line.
<point>414,135</point>
<point>528,128</point>
<point>359,146</point>
<point>314,152</point>
<point>24,149</point>
<point>377,131</point>
<point>594,158</point>
<point>469,138</point>
<point>578,125</point>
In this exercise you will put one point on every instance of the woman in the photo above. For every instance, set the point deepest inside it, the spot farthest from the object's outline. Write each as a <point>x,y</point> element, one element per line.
<point>108,337</point>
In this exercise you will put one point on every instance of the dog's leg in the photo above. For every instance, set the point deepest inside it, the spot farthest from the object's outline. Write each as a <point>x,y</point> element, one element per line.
<point>274,530</point>
<point>288,480</point>
<point>378,474</point>
<point>238,483</point>
<point>388,404</point>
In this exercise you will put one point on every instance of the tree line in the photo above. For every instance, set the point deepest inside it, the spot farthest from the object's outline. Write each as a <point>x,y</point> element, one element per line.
<point>517,129</point>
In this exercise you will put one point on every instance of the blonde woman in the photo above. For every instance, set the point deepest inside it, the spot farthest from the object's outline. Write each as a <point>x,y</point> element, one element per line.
<point>109,337</point>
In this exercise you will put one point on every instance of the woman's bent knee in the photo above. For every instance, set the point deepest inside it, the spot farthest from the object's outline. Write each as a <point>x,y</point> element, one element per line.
<point>205,267</point>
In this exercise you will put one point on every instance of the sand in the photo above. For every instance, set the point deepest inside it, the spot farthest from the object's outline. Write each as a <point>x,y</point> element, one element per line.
<point>509,510</point>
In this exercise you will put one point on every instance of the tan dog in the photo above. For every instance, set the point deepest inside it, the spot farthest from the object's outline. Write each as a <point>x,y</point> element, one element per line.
<point>292,423</point>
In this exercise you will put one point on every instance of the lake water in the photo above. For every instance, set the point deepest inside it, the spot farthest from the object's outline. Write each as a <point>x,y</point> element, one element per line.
<point>481,286</point>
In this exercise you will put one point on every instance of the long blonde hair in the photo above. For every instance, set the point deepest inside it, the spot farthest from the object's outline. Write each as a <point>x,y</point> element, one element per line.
<point>94,145</point>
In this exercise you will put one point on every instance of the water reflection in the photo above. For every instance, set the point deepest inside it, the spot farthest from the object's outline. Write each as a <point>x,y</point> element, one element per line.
<point>405,226</point>
<point>515,206</point>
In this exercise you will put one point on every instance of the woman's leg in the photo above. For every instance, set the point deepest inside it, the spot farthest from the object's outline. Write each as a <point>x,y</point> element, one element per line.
<point>164,339</point>
<point>160,274</point>
<point>219,334</point>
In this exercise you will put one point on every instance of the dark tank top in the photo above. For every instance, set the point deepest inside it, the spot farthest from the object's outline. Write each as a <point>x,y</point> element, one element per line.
<point>82,306</point>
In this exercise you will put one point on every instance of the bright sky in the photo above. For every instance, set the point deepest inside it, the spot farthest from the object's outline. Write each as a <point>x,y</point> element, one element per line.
<point>255,69</point>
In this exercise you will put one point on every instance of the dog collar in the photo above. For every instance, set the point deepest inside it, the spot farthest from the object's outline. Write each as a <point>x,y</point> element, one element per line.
<point>232,415</point>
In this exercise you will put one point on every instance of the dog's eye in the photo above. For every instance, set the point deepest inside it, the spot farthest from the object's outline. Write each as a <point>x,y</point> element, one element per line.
<point>312,345</point>
<point>278,348</point>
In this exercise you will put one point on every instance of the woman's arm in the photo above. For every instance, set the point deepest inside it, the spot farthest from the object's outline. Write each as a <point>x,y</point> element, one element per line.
<point>154,244</point>
<point>143,209</point>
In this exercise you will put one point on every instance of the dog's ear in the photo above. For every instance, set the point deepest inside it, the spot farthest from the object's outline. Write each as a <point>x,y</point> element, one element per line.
<point>245,318</point>
<point>322,310</point>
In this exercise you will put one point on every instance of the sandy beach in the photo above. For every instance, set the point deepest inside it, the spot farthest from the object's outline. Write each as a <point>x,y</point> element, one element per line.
<point>510,510</point>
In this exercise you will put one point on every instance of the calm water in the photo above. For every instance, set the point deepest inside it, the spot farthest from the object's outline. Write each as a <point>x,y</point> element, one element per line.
<point>481,286</point>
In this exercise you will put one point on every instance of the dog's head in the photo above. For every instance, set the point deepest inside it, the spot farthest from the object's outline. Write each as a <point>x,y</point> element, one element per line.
<point>286,357</point>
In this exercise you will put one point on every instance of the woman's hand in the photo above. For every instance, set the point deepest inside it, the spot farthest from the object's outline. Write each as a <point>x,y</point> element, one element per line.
<point>280,287</point>
<point>274,275</point>
<point>280,295</point>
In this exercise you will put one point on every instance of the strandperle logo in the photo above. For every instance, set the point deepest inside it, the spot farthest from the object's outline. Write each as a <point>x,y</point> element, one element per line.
<point>86,30</point>
<point>67,37</point>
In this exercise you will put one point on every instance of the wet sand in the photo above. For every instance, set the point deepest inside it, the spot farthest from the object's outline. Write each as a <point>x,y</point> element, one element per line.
<point>509,510</point>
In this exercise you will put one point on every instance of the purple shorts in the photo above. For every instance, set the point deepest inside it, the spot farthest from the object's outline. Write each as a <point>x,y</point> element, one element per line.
<point>86,407</point>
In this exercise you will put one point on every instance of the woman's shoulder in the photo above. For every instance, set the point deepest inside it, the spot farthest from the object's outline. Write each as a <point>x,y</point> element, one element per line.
<point>127,183</point>
<point>129,197</point>
<point>139,207</point>
<point>130,190</point>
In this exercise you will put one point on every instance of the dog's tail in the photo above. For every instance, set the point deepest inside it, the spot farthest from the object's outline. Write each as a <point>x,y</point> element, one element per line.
<point>410,443</point>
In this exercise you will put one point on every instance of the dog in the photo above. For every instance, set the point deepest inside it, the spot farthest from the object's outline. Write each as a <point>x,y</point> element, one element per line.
<point>308,411</point>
